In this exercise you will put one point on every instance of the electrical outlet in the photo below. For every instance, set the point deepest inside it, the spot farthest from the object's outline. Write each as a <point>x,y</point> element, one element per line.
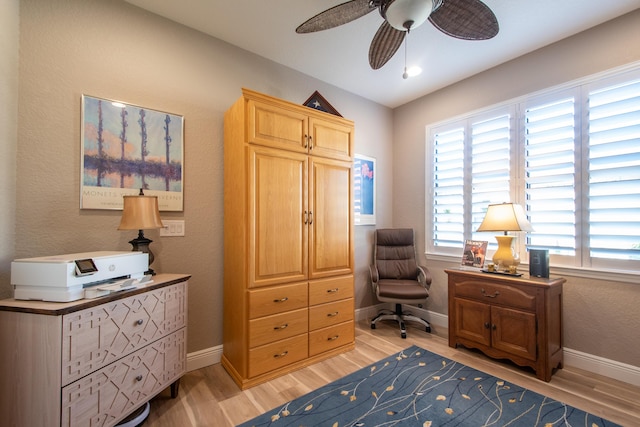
<point>172,228</point>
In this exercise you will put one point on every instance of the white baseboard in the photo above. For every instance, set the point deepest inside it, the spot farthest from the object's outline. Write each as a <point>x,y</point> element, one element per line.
<point>203,358</point>
<point>587,362</point>
<point>601,366</point>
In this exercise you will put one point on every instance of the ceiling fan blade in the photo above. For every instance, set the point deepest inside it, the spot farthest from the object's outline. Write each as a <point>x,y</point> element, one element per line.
<point>335,16</point>
<point>465,19</point>
<point>384,45</point>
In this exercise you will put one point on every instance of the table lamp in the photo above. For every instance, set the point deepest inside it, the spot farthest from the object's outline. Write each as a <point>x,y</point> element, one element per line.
<point>141,213</point>
<point>505,217</point>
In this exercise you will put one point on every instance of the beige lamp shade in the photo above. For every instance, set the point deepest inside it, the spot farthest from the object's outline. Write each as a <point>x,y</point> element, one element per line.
<point>140,213</point>
<point>505,217</point>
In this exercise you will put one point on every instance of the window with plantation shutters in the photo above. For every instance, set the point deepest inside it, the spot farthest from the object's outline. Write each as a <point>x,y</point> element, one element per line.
<point>572,160</point>
<point>614,171</point>
<point>550,174</point>
<point>448,188</point>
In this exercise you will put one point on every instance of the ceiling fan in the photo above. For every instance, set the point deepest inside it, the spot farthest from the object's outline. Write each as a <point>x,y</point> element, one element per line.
<point>462,19</point>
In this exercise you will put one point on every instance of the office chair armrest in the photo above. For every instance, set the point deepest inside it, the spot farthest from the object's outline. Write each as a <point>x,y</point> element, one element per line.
<point>373,272</point>
<point>424,276</point>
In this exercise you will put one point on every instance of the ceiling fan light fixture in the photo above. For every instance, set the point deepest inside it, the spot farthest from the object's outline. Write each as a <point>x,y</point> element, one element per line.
<point>399,13</point>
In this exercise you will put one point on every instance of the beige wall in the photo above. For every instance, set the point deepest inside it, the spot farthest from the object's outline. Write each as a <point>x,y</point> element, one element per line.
<point>113,50</point>
<point>599,316</point>
<point>8,134</point>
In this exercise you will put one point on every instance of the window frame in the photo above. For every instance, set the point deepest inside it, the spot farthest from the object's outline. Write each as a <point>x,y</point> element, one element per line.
<point>581,264</point>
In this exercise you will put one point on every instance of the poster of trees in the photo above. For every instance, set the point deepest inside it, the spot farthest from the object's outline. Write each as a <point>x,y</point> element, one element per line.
<point>126,148</point>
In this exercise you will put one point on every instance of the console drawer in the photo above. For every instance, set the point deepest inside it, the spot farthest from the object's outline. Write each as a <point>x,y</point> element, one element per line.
<point>102,397</point>
<point>94,337</point>
<point>495,293</point>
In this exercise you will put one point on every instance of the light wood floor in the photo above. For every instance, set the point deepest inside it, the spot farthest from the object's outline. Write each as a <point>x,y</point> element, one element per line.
<point>209,397</point>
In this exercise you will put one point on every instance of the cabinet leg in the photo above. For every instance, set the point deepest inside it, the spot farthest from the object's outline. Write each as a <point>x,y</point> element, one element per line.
<point>174,388</point>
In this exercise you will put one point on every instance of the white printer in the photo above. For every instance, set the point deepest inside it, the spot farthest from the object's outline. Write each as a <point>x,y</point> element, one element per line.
<point>63,278</point>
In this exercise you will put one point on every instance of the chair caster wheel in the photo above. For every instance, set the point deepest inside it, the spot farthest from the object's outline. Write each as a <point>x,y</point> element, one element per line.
<point>403,335</point>
<point>428,329</point>
<point>373,326</point>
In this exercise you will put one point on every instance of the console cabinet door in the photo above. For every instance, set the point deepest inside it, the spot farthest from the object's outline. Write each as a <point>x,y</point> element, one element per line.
<point>514,332</point>
<point>473,321</point>
<point>278,213</point>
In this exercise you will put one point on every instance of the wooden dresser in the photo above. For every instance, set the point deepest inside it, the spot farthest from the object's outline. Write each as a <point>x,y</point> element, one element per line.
<point>508,317</point>
<point>288,237</point>
<point>93,361</point>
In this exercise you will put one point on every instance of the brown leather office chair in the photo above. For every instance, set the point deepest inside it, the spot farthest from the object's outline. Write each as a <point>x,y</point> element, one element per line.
<point>396,276</point>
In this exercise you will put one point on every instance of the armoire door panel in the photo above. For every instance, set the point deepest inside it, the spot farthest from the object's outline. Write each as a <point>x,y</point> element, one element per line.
<point>277,202</point>
<point>277,127</point>
<point>330,251</point>
<point>329,139</point>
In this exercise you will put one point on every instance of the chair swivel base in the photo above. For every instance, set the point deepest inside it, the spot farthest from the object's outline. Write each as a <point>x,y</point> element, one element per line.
<point>400,317</point>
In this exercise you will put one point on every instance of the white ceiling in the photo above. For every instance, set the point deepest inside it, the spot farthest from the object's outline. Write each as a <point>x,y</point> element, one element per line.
<point>339,56</point>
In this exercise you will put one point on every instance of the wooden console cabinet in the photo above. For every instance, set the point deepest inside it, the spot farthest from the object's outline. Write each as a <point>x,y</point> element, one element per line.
<point>92,361</point>
<point>288,237</point>
<point>508,317</point>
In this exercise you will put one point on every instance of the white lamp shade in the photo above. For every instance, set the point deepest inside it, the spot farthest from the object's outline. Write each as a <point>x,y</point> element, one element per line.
<point>505,217</point>
<point>399,12</point>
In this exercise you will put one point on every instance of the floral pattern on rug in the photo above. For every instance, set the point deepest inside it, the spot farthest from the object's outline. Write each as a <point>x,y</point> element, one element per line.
<point>418,388</point>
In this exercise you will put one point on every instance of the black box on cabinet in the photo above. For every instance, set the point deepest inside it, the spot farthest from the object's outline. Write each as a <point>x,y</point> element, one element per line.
<point>539,263</point>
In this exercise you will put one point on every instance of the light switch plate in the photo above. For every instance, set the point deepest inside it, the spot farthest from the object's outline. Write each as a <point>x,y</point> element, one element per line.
<point>172,228</point>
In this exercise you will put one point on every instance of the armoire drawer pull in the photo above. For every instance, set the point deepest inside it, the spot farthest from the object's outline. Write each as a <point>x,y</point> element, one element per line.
<point>277,328</point>
<point>281,299</point>
<point>332,291</point>
<point>283,354</point>
<point>334,314</point>
<point>333,338</point>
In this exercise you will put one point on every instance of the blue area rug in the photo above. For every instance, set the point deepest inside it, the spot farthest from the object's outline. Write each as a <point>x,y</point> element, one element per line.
<point>418,388</point>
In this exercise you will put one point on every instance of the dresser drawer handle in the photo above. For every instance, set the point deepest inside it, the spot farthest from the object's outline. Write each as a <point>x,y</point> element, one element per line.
<point>277,328</point>
<point>281,300</point>
<point>332,291</point>
<point>283,354</point>
<point>484,293</point>
<point>139,322</point>
<point>334,314</point>
<point>333,338</point>
<point>139,378</point>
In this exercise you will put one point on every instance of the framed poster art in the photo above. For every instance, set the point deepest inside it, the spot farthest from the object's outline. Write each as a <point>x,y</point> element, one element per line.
<point>125,148</point>
<point>364,190</point>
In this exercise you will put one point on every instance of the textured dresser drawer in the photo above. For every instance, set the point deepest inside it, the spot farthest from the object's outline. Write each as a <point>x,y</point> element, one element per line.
<point>332,337</point>
<point>328,290</point>
<point>496,294</point>
<point>276,355</point>
<point>97,336</point>
<point>323,315</point>
<point>277,299</point>
<point>101,398</point>
<point>277,327</point>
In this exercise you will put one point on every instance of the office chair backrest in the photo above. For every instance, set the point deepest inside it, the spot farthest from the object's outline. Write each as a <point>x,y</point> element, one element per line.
<point>395,254</point>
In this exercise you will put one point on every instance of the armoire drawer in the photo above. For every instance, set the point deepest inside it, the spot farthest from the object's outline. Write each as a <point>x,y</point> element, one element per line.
<point>94,337</point>
<point>328,290</point>
<point>101,398</point>
<point>323,315</point>
<point>277,327</point>
<point>278,354</point>
<point>332,337</point>
<point>277,299</point>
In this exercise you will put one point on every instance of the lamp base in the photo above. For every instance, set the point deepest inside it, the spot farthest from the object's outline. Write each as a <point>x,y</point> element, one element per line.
<point>141,244</point>
<point>506,256</point>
